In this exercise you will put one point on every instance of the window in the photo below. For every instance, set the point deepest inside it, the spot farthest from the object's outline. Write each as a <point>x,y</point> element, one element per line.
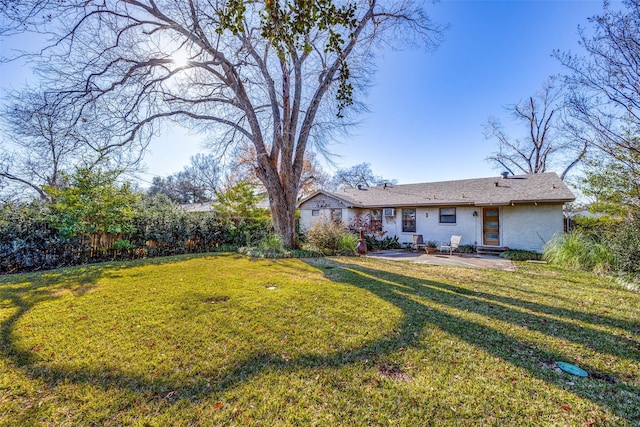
<point>376,219</point>
<point>315,212</point>
<point>447,215</point>
<point>409,220</point>
<point>336,215</point>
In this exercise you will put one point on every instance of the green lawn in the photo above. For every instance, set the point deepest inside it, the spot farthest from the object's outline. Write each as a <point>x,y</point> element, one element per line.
<point>227,340</point>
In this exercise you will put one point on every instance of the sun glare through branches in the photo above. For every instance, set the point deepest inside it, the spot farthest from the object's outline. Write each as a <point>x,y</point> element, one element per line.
<point>180,58</point>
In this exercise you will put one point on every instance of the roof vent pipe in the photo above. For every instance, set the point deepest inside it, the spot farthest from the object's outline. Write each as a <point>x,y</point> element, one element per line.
<point>504,174</point>
<point>359,186</point>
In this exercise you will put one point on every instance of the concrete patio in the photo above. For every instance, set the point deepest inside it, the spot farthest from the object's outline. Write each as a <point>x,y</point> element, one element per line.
<point>457,260</point>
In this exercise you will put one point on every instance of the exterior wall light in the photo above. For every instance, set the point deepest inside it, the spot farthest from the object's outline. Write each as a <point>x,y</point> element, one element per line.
<point>475,213</point>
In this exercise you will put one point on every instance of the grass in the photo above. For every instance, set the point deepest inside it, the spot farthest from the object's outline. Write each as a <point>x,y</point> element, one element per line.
<point>229,340</point>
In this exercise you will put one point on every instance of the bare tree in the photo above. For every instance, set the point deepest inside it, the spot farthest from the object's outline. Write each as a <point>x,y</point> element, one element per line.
<point>258,71</point>
<point>358,175</point>
<point>179,188</point>
<point>605,84</point>
<point>548,143</point>
<point>198,182</point>
<point>605,103</point>
<point>43,135</point>
<point>39,142</point>
<point>313,177</point>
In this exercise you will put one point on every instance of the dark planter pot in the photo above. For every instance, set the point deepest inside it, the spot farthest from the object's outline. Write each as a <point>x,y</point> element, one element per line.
<point>361,248</point>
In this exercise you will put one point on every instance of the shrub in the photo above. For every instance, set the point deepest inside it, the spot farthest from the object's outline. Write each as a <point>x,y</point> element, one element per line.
<point>28,243</point>
<point>467,249</point>
<point>122,245</point>
<point>271,247</point>
<point>164,229</point>
<point>158,227</point>
<point>625,247</point>
<point>91,202</point>
<point>347,243</point>
<point>155,227</point>
<point>601,226</point>
<point>384,243</point>
<point>271,242</point>
<point>225,248</point>
<point>329,237</point>
<point>324,235</point>
<point>237,207</point>
<point>373,232</point>
<point>521,255</point>
<point>578,250</point>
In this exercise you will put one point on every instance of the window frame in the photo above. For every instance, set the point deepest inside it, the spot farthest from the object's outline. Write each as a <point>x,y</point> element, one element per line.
<point>448,218</point>
<point>375,219</point>
<point>409,220</point>
<point>333,214</point>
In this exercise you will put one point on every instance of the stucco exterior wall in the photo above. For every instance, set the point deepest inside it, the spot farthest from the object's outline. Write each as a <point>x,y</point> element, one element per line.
<point>307,219</point>
<point>322,205</point>
<point>526,227</point>
<point>530,227</point>
<point>428,224</point>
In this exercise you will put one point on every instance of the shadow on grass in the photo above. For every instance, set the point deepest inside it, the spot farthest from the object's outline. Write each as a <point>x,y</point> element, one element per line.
<point>25,290</point>
<point>540,317</point>
<point>405,293</point>
<point>559,323</point>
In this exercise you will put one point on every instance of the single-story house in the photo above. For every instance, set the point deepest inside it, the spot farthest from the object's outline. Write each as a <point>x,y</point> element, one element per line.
<point>519,212</point>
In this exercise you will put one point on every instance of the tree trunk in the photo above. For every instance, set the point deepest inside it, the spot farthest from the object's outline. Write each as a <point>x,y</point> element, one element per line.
<point>284,222</point>
<point>283,210</point>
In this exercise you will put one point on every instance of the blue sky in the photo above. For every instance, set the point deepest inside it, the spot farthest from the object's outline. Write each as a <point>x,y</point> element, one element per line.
<point>428,108</point>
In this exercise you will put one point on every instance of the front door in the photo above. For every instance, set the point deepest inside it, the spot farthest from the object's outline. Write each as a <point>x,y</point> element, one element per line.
<point>491,227</point>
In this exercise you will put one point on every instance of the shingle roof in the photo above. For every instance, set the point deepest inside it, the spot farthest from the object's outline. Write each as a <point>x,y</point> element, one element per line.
<point>535,188</point>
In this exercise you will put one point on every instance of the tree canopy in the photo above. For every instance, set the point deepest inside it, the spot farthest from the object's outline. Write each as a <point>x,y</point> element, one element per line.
<point>605,82</point>
<point>197,182</point>
<point>605,101</point>
<point>280,76</point>
<point>90,201</point>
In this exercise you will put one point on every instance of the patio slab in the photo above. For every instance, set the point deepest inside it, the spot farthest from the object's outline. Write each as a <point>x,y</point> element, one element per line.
<point>464,260</point>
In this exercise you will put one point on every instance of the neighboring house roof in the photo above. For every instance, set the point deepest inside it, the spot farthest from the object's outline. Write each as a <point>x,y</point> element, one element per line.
<point>264,204</point>
<point>534,188</point>
<point>264,201</point>
<point>585,213</point>
<point>209,206</point>
<point>197,207</point>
